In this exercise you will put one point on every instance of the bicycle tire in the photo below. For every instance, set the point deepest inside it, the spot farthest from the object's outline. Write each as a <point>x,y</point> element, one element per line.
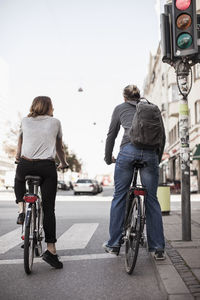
<point>29,241</point>
<point>133,235</point>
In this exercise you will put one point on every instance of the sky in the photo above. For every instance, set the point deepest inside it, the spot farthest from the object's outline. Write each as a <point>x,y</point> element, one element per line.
<point>53,47</point>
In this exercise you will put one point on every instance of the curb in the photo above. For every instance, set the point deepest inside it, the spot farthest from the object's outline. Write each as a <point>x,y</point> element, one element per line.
<point>175,277</point>
<point>170,281</point>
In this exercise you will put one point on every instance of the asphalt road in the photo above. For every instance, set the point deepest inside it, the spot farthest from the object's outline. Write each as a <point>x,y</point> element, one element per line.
<point>88,273</point>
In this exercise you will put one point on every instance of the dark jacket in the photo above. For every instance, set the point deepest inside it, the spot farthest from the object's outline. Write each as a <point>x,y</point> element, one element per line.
<point>123,116</point>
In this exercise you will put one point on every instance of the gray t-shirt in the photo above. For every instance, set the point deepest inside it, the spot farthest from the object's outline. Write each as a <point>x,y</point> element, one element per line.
<point>39,137</point>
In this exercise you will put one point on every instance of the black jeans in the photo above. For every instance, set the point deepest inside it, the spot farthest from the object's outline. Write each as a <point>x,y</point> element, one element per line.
<point>46,169</point>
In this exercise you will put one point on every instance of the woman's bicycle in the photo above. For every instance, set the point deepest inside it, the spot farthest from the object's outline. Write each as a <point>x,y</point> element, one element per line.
<point>33,225</point>
<point>134,219</point>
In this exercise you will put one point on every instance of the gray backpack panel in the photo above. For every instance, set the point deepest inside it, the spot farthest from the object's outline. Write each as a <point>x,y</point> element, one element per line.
<point>146,130</point>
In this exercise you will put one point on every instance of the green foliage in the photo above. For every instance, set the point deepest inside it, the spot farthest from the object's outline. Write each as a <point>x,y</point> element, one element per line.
<point>74,164</point>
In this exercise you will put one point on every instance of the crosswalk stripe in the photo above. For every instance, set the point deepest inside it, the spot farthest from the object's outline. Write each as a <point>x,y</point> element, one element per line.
<point>62,258</point>
<point>10,240</point>
<point>77,236</point>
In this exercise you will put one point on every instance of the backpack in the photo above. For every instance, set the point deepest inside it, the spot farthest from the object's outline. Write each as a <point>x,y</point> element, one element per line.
<point>147,129</point>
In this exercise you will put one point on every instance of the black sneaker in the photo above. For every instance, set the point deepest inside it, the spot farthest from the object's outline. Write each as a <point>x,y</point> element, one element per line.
<point>52,259</point>
<point>111,250</point>
<point>20,218</point>
<point>159,254</point>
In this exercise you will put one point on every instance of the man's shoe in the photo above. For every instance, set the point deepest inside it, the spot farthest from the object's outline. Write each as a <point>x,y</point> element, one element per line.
<point>111,250</point>
<point>52,259</point>
<point>20,218</point>
<point>159,254</point>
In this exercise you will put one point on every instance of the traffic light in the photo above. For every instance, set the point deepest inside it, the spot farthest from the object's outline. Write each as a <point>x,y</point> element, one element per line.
<point>166,34</point>
<point>184,27</point>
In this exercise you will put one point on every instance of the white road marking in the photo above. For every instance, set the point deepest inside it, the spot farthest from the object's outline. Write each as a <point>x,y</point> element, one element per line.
<point>77,236</point>
<point>62,258</point>
<point>10,240</point>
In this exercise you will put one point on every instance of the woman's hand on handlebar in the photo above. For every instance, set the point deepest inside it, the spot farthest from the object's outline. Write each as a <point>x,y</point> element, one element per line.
<point>63,166</point>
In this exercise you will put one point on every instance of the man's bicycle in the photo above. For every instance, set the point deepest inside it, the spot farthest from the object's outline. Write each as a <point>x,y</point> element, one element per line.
<point>134,219</point>
<point>33,225</point>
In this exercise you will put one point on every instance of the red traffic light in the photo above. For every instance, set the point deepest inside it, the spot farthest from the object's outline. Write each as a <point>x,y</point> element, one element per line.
<point>183,4</point>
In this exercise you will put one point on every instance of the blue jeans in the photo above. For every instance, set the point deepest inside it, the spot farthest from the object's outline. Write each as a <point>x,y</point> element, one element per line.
<point>149,178</point>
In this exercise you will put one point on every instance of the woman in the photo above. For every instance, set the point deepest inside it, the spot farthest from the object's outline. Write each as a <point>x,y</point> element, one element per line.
<point>40,139</point>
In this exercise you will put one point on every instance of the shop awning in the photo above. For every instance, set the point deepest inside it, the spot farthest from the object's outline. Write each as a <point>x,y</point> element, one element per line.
<point>196,154</point>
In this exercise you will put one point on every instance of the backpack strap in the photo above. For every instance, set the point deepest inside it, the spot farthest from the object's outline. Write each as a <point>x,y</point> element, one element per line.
<point>143,98</point>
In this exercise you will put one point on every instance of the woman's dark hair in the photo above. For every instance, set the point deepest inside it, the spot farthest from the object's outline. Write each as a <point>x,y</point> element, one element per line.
<point>41,105</point>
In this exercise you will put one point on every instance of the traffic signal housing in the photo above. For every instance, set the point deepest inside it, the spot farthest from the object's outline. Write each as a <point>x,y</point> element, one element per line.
<point>166,34</point>
<point>184,27</point>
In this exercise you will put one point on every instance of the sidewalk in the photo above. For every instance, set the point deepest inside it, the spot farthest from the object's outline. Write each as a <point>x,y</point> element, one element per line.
<point>179,274</point>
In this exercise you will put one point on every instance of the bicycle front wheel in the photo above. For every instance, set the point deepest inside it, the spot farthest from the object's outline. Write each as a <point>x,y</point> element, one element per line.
<point>29,239</point>
<point>133,234</point>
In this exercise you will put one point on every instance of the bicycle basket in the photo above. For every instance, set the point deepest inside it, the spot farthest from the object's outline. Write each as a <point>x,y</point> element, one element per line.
<point>30,198</point>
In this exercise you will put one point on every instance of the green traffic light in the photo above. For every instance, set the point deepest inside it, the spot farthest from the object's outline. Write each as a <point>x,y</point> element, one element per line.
<point>184,41</point>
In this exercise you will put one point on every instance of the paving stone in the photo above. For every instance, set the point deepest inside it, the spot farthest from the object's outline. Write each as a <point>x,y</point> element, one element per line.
<point>180,297</point>
<point>171,280</point>
<point>197,273</point>
<point>191,256</point>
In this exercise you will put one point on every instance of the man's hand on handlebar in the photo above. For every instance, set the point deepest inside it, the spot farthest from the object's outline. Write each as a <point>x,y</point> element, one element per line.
<point>113,160</point>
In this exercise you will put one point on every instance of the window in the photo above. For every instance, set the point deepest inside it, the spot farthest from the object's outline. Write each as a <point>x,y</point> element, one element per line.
<point>174,134</point>
<point>173,93</point>
<point>197,112</point>
<point>196,71</point>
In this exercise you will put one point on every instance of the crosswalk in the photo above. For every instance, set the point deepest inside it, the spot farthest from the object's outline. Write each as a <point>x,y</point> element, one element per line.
<point>76,237</point>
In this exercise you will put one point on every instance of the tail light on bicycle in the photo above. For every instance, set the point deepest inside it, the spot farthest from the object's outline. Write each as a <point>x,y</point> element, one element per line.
<point>30,198</point>
<point>139,192</point>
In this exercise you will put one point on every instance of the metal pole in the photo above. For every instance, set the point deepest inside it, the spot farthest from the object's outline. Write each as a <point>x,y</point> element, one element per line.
<point>182,79</point>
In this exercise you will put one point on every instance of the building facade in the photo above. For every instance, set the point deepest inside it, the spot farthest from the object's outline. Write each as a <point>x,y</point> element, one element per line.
<point>160,87</point>
<point>5,163</point>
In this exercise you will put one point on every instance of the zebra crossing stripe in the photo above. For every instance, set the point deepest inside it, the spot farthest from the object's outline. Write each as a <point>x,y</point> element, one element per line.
<point>10,240</point>
<point>68,258</point>
<point>77,236</point>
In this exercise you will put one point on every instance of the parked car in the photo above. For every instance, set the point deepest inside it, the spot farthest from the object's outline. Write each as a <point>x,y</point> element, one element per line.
<point>85,186</point>
<point>63,185</point>
<point>99,186</point>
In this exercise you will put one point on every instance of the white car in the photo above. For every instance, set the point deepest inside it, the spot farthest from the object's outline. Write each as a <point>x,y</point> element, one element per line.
<point>85,186</point>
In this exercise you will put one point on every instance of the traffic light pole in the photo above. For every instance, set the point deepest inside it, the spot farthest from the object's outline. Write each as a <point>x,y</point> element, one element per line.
<point>183,70</point>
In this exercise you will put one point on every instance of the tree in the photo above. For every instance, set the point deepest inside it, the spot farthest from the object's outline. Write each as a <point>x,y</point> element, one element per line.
<point>10,144</point>
<point>74,164</point>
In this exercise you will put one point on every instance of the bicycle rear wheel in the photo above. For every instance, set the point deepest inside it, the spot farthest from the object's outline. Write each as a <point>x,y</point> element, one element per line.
<point>133,234</point>
<point>39,224</point>
<point>29,239</point>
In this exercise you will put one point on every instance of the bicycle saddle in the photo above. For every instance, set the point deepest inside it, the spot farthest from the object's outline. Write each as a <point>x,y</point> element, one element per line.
<point>139,164</point>
<point>33,178</point>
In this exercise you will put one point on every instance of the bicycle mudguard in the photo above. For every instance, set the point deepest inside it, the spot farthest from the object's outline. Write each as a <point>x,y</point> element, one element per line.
<point>28,216</point>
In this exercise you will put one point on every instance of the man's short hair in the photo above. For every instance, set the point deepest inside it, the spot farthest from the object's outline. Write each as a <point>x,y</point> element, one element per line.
<point>131,92</point>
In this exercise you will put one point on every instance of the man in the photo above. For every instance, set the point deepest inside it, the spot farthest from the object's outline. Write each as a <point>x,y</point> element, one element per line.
<point>123,116</point>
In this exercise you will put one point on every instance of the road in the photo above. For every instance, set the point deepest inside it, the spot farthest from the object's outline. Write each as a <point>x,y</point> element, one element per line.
<point>89,273</point>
